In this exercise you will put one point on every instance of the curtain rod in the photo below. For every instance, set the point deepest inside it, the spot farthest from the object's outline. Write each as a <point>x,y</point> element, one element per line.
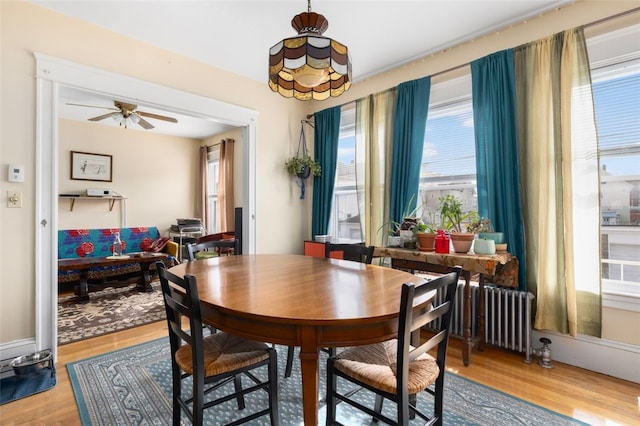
<point>231,140</point>
<point>457,67</point>
<point>608,18</point>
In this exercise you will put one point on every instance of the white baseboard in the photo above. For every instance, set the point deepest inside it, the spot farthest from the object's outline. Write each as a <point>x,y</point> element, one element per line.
<point>14,349</point>
<point>614,359</point>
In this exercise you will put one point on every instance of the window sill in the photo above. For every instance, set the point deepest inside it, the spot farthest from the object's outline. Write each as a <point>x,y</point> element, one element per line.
<point>621,295</point>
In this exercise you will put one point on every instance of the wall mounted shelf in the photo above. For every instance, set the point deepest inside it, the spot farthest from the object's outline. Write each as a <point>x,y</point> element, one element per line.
<point>111,199</point>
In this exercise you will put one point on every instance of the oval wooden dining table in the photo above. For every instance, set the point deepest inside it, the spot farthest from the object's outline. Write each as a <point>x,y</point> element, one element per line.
<point>300,301</point>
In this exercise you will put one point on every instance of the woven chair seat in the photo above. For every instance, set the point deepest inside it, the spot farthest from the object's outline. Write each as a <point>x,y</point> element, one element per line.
<point>206,255</point>
<point>375,365</point>
<point>223,353</point>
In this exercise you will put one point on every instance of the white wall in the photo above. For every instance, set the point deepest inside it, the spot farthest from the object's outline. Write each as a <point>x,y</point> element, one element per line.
<point>157,175</point>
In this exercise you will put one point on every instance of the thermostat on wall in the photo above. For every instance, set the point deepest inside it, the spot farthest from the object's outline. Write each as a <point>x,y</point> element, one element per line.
<point>16,173</point>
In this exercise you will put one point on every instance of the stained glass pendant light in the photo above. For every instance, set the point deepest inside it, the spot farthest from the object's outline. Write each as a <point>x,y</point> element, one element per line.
<point>309,66</point>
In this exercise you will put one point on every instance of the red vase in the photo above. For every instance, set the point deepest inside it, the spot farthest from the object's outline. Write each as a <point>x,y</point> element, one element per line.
<point>442,242</point>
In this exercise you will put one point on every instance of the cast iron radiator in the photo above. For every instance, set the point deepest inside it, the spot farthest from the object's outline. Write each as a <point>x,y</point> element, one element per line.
<point>507,316</point>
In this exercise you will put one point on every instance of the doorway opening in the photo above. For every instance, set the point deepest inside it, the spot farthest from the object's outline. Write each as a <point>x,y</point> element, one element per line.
<point>53,75</point>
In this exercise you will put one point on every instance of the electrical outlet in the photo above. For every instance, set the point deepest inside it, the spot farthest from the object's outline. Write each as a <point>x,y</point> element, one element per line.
<point>14,199</point>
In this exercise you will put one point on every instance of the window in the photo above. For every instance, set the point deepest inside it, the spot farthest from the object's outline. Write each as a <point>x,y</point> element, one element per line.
<point>213,172</point>
<point>448,160</point>
<point>616,87</point>
<point>344,223</point>
<point>616,92</point>
<point>449,156</point>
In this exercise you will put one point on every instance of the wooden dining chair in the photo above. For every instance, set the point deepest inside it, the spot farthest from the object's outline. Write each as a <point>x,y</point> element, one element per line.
<point>354,252</point>
<point>207,249</point>
<point>396,370</point>
<point>211,361</point>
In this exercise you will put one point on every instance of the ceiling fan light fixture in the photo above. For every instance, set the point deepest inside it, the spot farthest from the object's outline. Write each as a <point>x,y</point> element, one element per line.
<point>126,114</point>
<point>309,66</point>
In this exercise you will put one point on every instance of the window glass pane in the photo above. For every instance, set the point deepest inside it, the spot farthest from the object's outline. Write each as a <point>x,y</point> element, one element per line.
<point>448,159</point>
<point>212,194</point>
<point>344,224</point>
<point>616,93</point>
<point>617,102</point>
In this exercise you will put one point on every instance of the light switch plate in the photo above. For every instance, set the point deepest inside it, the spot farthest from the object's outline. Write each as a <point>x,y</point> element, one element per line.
<point>14,199</point>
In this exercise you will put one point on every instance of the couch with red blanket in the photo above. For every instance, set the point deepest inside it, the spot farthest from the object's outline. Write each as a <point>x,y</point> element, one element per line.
<point>78,243</point>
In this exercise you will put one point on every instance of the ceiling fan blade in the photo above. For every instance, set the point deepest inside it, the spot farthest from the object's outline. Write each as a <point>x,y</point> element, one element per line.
<point>102,117</point>
<point>93,106</point>
<point>156,116</point>
<point>144,123</point>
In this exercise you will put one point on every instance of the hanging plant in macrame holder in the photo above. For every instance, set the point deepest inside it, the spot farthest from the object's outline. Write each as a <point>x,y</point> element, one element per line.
<point>302,166</point>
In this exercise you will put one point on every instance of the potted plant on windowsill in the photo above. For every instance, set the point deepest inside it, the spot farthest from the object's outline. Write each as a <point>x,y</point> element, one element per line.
<point>426,233</point>
<point>484,229</point>
<point>401,234</point>
<point>452,217</point>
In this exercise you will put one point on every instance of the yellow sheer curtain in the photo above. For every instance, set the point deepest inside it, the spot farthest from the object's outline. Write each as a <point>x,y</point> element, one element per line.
<point>225,187</point>
<point>557,142</point>
<point>374,139</point>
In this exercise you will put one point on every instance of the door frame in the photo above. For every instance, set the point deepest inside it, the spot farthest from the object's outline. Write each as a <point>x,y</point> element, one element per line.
<point>52,74</point>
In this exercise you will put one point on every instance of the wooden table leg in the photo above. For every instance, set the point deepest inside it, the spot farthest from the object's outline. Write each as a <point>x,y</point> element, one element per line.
<point>309,370</point>
<point>144,282</point>
<point>82,291</point>
<point>467,340</point>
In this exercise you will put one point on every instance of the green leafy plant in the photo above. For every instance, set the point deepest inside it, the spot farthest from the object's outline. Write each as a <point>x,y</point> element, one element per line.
<point>429,226</point>
<point>302,166</point>
<point>451,214</point>
<point>479,225</point>
<point>408,212</point>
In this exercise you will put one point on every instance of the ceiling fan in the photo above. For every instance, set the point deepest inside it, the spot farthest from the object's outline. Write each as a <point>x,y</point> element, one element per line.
<point>126,114</point>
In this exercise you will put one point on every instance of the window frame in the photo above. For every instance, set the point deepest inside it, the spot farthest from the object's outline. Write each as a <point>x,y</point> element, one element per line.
<point>612,56</point>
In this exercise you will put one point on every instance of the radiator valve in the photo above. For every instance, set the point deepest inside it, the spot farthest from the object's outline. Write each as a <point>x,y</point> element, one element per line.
<point>544,353</point>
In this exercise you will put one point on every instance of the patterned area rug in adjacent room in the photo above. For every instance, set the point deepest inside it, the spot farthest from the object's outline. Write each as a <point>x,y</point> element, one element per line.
<point>109,310</point>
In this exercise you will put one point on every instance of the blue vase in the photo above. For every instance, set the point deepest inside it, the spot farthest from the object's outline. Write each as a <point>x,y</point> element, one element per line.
<point>482,246</point>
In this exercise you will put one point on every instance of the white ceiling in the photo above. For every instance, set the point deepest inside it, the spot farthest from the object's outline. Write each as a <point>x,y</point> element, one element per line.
<point>236,35</point>
<point>187,126</point>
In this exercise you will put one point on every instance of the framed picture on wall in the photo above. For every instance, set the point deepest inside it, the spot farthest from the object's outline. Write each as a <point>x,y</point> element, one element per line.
<point>87,166</point>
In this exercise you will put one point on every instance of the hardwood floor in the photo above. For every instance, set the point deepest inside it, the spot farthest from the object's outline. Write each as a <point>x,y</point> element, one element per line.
<point>590,397</point>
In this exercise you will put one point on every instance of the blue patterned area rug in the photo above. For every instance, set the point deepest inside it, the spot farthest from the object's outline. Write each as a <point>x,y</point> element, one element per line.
<point>132,386</point>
